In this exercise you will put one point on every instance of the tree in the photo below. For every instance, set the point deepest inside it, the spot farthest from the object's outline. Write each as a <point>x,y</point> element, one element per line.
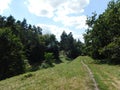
<point>113,51</point>
<point>10,21</point>
<point>49,59</point>
<point>70,46</point>
<point>52,46</point>
<point>63,41</point>
<point>103,33</point>
<point>2,21</point>
<point>11,54</point>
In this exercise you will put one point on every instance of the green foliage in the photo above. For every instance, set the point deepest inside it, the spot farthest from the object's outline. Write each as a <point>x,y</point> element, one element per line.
<point>29,42</point>
<point>30,37</point>
<point>11,54</point>
<point>52,46</point>
<point>113,51</point>
<point>49,60</point>
<point>102,36</point>
<point>71,47</point>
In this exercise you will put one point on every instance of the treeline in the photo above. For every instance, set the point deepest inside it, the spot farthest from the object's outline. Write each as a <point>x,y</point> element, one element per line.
<point>71,47</point>
<point>102,38</point>
<point>23,45</point>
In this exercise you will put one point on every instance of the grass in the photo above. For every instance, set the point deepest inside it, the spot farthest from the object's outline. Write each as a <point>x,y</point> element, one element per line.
<point>107,76</point>
<point>65,76</point>
<point>69,75</point>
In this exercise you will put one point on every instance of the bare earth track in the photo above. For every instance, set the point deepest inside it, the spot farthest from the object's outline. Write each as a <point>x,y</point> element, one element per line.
<point>91,75</point>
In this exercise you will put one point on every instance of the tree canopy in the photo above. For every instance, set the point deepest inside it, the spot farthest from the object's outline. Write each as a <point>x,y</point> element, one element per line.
<point>102,36</point>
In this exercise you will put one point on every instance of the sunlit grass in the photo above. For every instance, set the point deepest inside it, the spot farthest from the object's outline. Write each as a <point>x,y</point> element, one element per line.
<point>65,76</point>
<point>69,75</point>
<point>107,76</point>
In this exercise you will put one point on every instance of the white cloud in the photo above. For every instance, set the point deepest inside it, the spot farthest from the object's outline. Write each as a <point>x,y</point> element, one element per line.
<point>4,4</point>
<point>72,6</point>
<point>47,29</point>
<point>79,36</point>
<point>51,6</point>
<point>53,29</point>
<point>65,11</point>
<point>40,8</point>
<point>79,22</point>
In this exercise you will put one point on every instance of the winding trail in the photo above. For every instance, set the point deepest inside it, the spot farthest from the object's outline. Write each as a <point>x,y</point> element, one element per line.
<point>91,75</point>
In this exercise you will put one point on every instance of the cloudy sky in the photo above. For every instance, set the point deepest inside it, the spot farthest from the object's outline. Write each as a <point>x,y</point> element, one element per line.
<point>54,16</point>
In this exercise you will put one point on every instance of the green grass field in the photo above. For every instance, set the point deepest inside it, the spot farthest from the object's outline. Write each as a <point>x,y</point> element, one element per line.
<point>64,76</point>
<point>69,75</point>
<point>107,76</point>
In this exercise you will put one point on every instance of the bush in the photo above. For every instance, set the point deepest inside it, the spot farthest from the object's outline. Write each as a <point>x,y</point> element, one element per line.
<point>49,59</point>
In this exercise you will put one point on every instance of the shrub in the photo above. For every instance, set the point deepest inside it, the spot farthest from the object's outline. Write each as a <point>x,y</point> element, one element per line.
<point>49,59</point>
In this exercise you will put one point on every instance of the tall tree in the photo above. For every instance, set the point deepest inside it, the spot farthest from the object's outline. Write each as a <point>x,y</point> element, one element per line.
<point>51,44</point>
<point>11,54</point>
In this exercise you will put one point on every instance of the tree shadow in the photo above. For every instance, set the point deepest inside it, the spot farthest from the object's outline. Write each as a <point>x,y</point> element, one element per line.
<point>58,61</point>
<point>105,61</point>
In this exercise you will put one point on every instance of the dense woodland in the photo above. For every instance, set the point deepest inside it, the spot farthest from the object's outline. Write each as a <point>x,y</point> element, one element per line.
<point>23,47</point>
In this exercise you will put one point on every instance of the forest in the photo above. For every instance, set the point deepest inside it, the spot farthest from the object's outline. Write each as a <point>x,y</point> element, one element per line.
<point>23,47</point>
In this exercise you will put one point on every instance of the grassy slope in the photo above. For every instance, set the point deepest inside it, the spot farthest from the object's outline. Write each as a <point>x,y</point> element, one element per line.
<point>64,76</point>
<point>107,76</point>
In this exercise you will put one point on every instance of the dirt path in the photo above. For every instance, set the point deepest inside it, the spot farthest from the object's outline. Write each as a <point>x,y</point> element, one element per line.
<point>91,75</point>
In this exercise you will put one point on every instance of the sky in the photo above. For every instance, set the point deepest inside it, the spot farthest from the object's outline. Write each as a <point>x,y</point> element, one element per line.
<point>54,16</point>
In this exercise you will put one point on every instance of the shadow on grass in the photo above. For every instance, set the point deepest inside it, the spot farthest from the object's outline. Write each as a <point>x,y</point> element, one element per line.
<point>69,59</point>
<point>58,61</point>
<point>43,65</point>
<point>26,76</point>
<point>106,61</point>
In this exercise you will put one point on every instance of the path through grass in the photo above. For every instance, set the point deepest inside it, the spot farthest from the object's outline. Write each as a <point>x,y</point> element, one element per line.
<point>69,75</point>
<point>107,76</point>
<point>65,76</point>
<point>90,75</point>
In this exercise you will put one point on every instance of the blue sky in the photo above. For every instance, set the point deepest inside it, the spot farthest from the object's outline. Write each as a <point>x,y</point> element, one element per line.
<point>54,16</point>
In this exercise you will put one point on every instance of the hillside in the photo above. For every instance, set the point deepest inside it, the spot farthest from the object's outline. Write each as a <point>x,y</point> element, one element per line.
<point>69,75</point>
